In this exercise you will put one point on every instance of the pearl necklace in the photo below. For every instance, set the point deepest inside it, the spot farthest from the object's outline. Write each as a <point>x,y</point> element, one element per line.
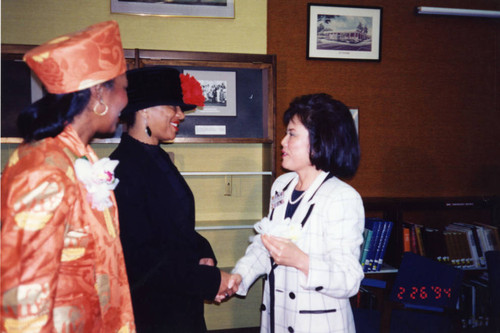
<point>293,202</point>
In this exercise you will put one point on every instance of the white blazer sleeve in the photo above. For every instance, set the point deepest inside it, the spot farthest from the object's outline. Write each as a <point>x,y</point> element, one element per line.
<point>334,266</point>
<point>252,265</point>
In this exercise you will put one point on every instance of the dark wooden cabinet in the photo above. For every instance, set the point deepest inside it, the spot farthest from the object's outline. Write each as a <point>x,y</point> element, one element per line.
<point>250,78</point>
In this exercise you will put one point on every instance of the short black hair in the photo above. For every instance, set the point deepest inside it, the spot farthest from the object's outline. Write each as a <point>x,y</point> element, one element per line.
<point>334,145</point>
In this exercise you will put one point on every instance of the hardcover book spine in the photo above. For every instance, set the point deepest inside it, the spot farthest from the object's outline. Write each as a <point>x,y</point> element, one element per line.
<point>420,241</point>
<point>413,239</point>
<point>448,237</point>
<point>378,249</point>
<point>406,238</point>
<point>375,226</point>
<point>384,245</point>
<point>366,246</point>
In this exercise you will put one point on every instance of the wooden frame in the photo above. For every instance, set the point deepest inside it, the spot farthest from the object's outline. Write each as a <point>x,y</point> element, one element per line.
<point>199,8</point>
<point>344,32</point>
<point>262,67</point>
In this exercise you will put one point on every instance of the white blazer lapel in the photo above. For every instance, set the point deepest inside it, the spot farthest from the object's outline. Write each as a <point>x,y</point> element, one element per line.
<point>306,202</point>
<point>279,211</point>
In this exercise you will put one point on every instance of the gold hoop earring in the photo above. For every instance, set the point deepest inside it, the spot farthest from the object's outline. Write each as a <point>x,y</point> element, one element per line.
<point>106,108</point>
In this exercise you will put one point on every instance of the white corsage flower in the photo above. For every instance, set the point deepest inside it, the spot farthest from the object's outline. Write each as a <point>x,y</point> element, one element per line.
<point>285,229</point>
<point>99,179</point>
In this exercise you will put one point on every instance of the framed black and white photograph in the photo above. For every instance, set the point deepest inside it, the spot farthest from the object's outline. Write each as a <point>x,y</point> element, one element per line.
<point>219,90</point>
<point>183,8</point>
<point>344,32</point>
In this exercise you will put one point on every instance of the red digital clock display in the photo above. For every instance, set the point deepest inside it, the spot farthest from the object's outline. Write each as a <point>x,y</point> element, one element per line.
<point>421,281</point>
<point>423,292</point>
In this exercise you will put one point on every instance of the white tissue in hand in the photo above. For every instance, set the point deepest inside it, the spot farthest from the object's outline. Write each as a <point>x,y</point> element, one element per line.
<point>285,229</point>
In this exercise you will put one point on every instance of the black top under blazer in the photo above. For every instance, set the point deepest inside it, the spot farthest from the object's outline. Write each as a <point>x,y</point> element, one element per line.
<point>161,247</point>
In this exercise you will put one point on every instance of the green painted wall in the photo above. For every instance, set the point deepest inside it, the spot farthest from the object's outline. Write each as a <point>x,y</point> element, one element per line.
<point>34,22</point>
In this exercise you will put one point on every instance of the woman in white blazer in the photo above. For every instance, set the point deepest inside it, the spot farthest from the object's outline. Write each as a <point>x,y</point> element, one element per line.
<point>308,246</point>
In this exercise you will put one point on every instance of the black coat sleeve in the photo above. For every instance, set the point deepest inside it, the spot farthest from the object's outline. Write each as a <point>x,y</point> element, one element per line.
<point>205,249</point>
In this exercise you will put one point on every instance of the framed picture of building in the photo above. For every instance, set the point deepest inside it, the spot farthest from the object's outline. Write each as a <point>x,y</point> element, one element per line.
<point>344,32</point>
<point>184,8</point>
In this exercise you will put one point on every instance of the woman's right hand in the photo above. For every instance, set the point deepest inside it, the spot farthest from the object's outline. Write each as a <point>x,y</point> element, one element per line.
<point>234,282</point>
<point>286,253</point>
<point>229,285</point>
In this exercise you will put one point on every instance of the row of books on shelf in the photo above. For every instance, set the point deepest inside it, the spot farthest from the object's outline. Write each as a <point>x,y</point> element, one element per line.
<point>366,299</point>
<point>474,303</point>
<point>366,310</point>
<point>375,239</point>
<point>462,245</point>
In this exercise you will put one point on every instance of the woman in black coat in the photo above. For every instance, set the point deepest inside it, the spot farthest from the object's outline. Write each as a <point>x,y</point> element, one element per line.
<point>171,268</point>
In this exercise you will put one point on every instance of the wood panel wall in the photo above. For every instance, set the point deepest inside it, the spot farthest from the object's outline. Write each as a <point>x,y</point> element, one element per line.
<point>429,110</point>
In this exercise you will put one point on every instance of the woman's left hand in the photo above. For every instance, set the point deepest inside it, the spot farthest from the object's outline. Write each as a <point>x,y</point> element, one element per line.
<point>286,253</point>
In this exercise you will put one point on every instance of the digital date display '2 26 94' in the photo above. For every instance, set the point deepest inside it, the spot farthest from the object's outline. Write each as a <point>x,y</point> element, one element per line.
<point>423,292</point>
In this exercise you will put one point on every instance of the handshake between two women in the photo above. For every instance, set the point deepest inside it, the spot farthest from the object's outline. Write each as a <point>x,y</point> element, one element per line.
<point>229,284</point>
<point>282,250</point>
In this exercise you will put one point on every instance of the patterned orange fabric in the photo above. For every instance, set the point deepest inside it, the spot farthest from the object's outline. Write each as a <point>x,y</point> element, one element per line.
<point>79,60</point>
<point>62,266</point>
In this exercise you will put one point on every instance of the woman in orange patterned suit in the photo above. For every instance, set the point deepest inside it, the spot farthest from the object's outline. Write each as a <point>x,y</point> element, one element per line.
<point>62,267</point>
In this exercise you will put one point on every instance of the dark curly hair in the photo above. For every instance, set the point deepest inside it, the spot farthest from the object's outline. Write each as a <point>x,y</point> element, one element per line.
<point>334,145</point>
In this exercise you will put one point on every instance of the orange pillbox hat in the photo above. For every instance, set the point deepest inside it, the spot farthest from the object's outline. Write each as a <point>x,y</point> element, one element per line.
<point>79,60</point>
